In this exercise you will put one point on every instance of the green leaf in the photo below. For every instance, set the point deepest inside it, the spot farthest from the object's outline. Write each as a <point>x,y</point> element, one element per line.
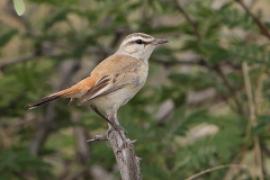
<point>19,7</point>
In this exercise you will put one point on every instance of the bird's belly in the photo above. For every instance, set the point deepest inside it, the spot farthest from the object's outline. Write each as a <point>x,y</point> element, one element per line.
<point>113,101</point>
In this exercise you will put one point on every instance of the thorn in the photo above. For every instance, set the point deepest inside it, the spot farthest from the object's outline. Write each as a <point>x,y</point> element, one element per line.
<point>132,141</point>
<point>98,137</point>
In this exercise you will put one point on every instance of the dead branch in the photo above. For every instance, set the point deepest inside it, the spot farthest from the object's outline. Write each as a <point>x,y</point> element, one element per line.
<point>128,162</point>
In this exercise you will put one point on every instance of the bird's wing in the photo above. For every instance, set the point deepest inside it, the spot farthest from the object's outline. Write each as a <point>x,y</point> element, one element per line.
<point>112,74</point>
<point>104,86</point>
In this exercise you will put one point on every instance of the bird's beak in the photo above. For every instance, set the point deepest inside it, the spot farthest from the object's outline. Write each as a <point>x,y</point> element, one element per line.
<point>160,41</point>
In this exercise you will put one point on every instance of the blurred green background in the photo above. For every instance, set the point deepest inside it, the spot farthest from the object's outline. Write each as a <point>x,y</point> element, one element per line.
<point>205,104</point>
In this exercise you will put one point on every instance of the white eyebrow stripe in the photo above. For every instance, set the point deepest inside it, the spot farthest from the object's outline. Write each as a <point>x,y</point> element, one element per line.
<point>134,38</point>
<point>145,36</point>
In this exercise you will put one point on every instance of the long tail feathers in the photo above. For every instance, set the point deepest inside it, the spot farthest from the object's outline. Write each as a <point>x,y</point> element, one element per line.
<point>64,93</point>
<point>43,101</point>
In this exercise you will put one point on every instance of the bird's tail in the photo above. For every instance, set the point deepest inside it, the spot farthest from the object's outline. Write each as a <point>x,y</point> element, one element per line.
<point>64,93</point>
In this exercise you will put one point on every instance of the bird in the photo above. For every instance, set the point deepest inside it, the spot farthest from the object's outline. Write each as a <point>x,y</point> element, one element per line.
<point>115,80</point>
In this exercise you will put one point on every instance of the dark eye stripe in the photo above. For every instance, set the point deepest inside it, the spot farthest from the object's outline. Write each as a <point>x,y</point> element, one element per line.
<point>140,41</point>
<point>136,42</point>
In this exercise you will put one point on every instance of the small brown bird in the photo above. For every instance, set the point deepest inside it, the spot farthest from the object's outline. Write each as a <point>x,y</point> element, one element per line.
<point>115,80</point>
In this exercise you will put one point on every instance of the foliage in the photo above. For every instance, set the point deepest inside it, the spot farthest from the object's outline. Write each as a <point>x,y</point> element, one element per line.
<point>200,72</point>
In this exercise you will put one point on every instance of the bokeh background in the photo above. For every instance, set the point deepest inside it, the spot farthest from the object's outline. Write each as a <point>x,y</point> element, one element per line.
<point>205,104</point>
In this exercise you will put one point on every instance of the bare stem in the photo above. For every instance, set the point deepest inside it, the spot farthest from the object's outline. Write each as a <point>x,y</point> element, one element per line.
<point>252,122</point>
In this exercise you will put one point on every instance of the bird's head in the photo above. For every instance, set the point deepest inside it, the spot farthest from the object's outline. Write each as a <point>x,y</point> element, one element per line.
<point>140,45</point>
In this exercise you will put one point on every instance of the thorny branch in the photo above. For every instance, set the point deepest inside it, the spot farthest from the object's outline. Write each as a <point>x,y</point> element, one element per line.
<point>128,162</point>
<point>122,146</point>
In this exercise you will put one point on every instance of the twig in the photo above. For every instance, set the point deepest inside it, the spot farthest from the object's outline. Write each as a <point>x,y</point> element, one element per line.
<point>263,29</point>
<point>252,122</point>
<point>239,159</point>
<point>258,99</point>
<point>188,19</point>
<point>252,115</point>
<point>98,137</point>
<point>195,176</point>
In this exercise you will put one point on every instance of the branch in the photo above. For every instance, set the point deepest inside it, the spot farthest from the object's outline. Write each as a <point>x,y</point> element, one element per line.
<point>263,29</point>
<point>128,162</point>
<point>195,176</point>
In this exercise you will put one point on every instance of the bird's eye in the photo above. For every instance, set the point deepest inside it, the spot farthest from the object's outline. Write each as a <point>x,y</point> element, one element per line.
<point>139,41</point>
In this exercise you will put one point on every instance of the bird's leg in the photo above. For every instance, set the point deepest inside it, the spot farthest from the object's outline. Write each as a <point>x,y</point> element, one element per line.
<point>113,121</point>
<point>107,118</point>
